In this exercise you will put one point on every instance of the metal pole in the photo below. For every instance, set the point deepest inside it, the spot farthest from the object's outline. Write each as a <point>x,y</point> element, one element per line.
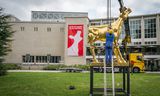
<point>91,80</point>
<point>113,83</point>
<point>105,79</point>
<point>124,79</point>
<point>128,81</point>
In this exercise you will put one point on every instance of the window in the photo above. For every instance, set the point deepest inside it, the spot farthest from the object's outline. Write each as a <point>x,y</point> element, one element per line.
<point>40,59</point>
<point>55,59</point>
<point>61,29</point>
<point>28,58</point>
<point>97,44</point>
<point>140,58</point>
<point>154,42</point>
<point>35,28</point>
<point>104,22</point>
<point>137,43</point>
<point>150,28</point>
<point>95,23</point>
<point>122,35</point>
<point>22,28</point>
<point>23,59</point>
<point>135,29</point>
<point>48,29</point>
<point>151,42</point>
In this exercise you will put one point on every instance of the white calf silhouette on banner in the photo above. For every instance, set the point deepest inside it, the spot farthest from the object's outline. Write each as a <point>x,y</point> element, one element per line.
<point>73,49</point>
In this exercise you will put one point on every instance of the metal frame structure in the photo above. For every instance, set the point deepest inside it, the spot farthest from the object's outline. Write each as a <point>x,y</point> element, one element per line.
<point>124,91</point>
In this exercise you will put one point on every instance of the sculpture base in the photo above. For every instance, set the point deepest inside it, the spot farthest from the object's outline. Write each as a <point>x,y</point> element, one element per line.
<point>123,90</point>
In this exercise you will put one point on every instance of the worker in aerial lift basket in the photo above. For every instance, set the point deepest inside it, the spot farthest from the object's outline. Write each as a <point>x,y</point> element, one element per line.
<point>109,45</point>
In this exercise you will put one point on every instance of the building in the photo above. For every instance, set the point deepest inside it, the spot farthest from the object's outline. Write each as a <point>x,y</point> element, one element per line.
<point>44,39</point>
<point>145,37</point>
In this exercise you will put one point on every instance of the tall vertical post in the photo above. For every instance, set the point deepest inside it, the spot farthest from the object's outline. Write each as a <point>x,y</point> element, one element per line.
<point>91,80</point>
<point>105,78</point>
<point>128,81</point>
<point>113,82</point>
<point>124,79</point>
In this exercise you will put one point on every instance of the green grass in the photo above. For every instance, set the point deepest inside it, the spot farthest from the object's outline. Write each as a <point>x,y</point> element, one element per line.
<point>56,84</point>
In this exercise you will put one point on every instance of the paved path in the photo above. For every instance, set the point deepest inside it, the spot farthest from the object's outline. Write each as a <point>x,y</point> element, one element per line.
<point>33,71</point>
<point>153,72</point>
<point>54,71</point>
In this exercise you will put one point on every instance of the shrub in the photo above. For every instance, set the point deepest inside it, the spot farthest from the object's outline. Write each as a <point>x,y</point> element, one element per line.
<point>54,67</point>
<point>3,70</point>
<point>12,66</point>
<point>84,67</point>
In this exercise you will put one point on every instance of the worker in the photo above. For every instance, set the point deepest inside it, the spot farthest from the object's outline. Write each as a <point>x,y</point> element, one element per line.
<point>109,45</point>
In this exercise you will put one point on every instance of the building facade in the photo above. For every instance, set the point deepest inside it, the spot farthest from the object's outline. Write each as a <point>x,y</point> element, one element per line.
<point>145,37</point>
<point>42,42</point>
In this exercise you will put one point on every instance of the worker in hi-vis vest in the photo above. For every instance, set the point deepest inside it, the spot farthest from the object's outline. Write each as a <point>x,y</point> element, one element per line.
<point>109,46</point>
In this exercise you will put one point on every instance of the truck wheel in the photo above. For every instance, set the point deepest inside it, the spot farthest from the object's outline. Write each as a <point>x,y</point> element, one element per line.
<point>109,70</point>
<point>136,70</point>
<point>101,70</point>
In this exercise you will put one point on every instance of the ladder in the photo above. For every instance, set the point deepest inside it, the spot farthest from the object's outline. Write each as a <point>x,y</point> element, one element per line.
<point>105,78</point>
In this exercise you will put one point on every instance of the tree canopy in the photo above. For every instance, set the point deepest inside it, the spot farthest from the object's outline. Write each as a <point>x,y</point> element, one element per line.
<point>6,33</point>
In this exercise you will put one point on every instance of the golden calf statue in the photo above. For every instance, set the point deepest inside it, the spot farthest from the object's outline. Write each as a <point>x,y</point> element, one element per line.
<point>98,33</point>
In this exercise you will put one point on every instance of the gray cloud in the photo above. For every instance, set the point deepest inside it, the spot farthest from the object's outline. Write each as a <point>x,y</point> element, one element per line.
<point>95,8</point>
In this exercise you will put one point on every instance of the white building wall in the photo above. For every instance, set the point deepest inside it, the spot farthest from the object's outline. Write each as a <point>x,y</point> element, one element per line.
<point>37,43</point>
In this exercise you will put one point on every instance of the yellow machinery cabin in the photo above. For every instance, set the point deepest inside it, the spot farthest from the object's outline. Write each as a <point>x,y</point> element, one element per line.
<point>137,62</point>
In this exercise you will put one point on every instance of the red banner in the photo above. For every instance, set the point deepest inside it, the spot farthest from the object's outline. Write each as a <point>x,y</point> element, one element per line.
<point>75,40</point>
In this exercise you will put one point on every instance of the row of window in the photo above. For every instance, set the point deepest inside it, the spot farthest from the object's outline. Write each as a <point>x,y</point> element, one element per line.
<point>137,43</point>
<point>49,29</point>
<point>41,59</point>
<point>36,29</point>
<point>151,42</point>
<point>103,22</point>
<point>135,28</point>
<point>97,44</point>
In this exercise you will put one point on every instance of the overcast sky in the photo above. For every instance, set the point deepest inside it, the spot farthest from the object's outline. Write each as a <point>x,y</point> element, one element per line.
<point>95,8</point>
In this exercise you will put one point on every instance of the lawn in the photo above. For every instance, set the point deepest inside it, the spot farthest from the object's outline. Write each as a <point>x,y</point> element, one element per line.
<point>56,84</point>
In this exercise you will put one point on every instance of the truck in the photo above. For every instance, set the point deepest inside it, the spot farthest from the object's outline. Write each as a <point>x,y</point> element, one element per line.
<point>136,61</point>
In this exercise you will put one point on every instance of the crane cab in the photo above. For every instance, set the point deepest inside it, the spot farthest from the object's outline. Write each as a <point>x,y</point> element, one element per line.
<point>137,62</point>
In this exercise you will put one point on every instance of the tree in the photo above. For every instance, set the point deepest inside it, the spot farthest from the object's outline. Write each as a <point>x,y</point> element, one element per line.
<point>5,38</point>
